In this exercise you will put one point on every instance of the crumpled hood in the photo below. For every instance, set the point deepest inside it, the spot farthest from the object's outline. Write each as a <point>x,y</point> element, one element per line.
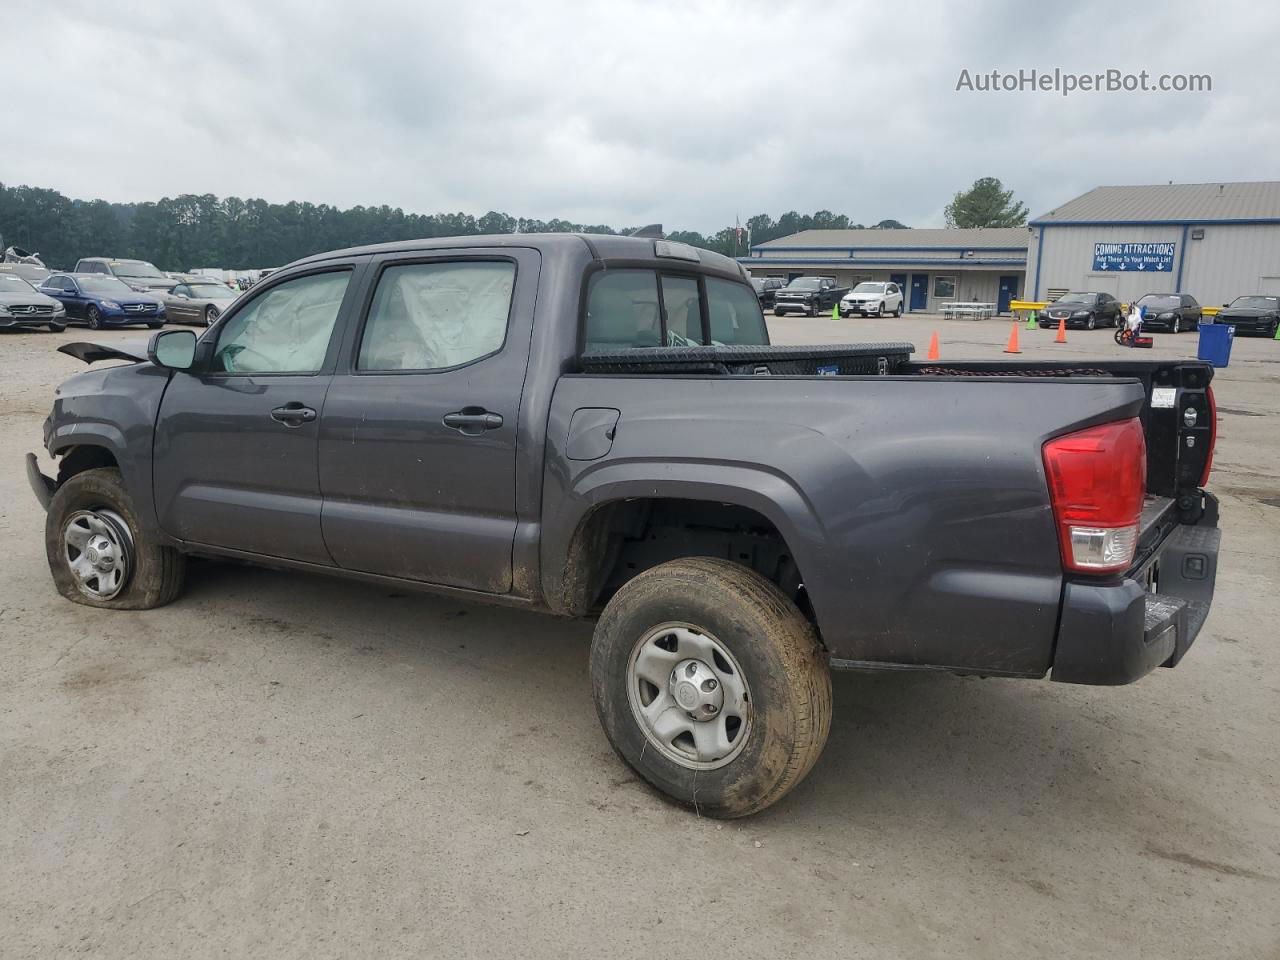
<point>91,352</point>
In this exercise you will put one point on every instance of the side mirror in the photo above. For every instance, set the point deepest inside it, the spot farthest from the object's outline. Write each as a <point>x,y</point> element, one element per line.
<point>172,349</point>
<point>1226,304</point>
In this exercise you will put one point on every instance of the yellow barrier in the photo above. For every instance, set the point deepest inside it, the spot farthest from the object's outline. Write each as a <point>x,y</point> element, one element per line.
<point>1210,311</point>
<point>1017,305</point>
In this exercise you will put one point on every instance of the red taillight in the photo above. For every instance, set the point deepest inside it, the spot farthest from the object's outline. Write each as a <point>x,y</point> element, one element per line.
<point>1213,436</point>
<point>1097,478</point>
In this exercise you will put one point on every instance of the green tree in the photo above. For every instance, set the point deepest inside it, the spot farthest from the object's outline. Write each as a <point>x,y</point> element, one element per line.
<point>986,204</point>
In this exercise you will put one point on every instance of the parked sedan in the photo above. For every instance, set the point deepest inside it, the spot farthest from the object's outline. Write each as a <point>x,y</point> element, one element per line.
<point>1255,314</point>
<point>1173,312</point>
<point>1083,309</point>
<point>103,301</point>
<point>23,307</point>
<point>198,301</point>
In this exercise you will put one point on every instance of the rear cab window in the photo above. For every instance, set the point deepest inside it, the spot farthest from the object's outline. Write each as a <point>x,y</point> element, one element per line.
<point>628,309</point>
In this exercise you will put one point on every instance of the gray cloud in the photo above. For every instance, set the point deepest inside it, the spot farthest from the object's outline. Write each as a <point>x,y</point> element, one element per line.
<point>623,112</point>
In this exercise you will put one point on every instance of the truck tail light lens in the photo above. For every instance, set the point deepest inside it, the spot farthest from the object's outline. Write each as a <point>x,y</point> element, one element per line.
<point>1097,479</point>
<point>1213,436</point>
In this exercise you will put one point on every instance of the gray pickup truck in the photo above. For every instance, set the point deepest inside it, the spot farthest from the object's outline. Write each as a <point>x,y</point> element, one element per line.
<point>598,427</point>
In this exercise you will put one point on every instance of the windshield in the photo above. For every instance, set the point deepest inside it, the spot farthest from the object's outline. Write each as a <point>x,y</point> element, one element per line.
<point>1255,303</point>
<point>1077,298</point>
<point>211,291</point>
<point>869,288</point>
<point>103,285</point>
<point>1160,301</point>
<point>135,268</point>
<point>11,284</point>
<point>805,283</point>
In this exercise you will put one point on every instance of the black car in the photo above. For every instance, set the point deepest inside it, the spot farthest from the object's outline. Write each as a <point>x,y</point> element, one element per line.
<point>1083,309</point>
<point>1172,312</point>
<point>1256,314</point>
<point>766,289</point>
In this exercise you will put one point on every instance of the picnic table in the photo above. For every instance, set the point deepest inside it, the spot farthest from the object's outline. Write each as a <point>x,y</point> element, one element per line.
<point>970,310</point>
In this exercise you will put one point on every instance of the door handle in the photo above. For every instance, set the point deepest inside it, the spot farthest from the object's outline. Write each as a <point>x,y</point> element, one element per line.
<point>293,414</point>
<point>472,421</point>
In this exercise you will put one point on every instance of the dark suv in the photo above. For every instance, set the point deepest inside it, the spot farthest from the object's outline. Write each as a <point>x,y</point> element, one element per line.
<point>766,289</point>
<point>1172,312</point>
<point>141,275</point>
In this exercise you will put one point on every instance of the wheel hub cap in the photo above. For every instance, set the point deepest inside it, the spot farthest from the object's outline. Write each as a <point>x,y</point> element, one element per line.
<point>695,687</point>
<point>689,696</point>
<point>98,551</point>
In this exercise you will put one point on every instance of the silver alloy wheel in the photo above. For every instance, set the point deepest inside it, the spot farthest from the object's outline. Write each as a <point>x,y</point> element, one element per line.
<point>1177,324</point>
<point>689,696</point>
<point>95,320</point>
<point>98,550</point>
<point>210,315</point>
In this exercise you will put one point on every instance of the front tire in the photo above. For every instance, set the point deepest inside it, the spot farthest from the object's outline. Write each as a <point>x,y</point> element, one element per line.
<point>57,327</point>
<point>99,554</point>
<point>679,636</point>
<point>1091,323</point>
<point>94,318</point>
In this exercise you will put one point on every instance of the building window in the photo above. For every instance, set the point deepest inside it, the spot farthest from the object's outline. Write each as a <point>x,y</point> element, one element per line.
<point>944,288</point>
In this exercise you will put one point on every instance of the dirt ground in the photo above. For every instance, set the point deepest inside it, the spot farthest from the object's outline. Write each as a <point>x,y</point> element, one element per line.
<point>281,765</point>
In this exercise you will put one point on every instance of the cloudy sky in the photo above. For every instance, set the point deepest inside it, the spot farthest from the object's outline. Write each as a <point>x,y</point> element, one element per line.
<point>684,113</point>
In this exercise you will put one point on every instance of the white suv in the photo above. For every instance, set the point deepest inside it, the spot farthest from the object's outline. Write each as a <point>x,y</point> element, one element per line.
<point>872,299</point>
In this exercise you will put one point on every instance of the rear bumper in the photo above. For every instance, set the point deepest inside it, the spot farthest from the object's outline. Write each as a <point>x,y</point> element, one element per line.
<point>1118,632</point>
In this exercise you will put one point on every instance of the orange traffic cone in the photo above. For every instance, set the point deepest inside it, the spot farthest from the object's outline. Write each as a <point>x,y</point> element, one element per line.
<point>1062,331</point>
<point>1013,340</point>
<point>933,347</point>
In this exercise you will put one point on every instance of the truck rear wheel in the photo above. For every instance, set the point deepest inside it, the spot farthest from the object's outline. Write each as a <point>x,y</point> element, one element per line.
<point>711,685</point>
<point>98,553</point>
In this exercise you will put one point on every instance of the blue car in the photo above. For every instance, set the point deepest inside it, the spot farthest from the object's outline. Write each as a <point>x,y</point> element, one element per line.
<point>103,301</point>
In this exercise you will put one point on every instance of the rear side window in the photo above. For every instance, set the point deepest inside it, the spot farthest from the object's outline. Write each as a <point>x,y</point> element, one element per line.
<point>735,314</point>
<point>433,316</point>
<point>635,308</point>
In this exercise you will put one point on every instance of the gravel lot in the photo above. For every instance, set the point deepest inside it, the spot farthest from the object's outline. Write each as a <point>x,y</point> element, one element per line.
<point>280,765</point>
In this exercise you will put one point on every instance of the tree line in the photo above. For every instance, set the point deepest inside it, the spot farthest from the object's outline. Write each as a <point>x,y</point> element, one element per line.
<point>201,230</point>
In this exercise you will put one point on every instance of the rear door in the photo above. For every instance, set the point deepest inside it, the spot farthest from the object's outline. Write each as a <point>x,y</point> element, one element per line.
<point>418,440</point>
<point>235,443</point>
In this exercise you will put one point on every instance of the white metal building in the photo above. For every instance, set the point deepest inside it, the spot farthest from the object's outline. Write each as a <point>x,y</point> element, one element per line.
<point>931,266</point>
<point>1215,241</point>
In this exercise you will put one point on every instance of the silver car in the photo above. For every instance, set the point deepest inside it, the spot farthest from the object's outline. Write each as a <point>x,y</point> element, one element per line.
<point>198,301</point>
<point>22,306</point>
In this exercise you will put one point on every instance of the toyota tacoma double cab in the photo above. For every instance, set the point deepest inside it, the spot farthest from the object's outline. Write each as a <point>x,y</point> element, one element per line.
<point>598,427</point>
<point>811,295</point>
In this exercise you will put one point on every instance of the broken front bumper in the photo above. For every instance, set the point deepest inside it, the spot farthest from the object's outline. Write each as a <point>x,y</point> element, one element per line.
<point>40,484</point>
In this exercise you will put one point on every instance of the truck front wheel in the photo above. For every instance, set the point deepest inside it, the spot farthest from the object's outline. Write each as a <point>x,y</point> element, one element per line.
<point>98,553</point>
<point>711,685</point>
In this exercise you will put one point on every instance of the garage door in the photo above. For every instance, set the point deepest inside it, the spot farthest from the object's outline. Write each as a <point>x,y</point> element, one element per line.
<point>1102,283</point>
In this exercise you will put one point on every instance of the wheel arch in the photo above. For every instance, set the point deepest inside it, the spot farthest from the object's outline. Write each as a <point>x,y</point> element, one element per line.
<point>759,509</point>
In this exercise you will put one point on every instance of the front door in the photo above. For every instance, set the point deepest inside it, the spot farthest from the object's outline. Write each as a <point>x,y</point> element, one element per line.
<point>235,443</point>
<point>1008,293</point>
<point>919,291</point>
<point>418,437</point>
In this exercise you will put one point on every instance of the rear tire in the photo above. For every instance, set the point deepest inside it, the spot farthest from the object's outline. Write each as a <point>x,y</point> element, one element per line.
<point>96,503</point>
<point>210,315</point>
<point>667,619</point>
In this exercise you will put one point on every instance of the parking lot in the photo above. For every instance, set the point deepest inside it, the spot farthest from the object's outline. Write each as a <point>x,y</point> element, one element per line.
<point>294,766</point>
